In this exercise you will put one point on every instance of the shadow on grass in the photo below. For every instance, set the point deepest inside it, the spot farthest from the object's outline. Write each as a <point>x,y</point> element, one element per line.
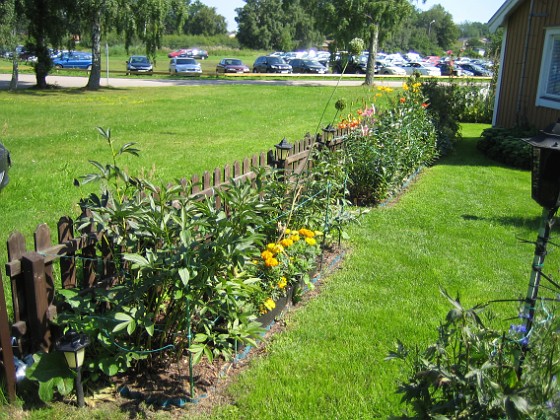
<point>531,223</point>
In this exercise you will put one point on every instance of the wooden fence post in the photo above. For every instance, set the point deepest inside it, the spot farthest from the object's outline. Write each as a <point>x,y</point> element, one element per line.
<point>33,268</point>
<point>7,361</point>
<point>68,264</point>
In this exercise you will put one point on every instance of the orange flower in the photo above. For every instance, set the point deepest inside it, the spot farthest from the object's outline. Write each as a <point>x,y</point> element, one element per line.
<point>402,100</point>
<point>265,255</point>
<point>425,105</point>
<point>271,262</point>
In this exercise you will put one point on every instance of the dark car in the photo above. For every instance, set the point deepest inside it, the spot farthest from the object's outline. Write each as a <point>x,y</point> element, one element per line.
<point>5,163</point>
<point>268,64</point>
<point>138,64</point>
<point>73,60</point>
<point>301,65</point>
<point>351,65</point>
<point>197,53</point>
<point>449,70</point>
<point>476,70</point>
<point>231,65</point>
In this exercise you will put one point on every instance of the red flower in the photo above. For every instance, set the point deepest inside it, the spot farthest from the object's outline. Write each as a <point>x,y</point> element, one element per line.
<point>402,100</point>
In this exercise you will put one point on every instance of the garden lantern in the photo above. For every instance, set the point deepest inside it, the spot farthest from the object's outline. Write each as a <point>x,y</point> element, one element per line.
<point>73,345</point>
<point>329,131</point>
<point>282,150</point>
<point>545,175</point>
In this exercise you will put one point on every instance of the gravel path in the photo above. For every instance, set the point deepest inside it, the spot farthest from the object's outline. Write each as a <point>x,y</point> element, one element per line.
<point>28,80</point>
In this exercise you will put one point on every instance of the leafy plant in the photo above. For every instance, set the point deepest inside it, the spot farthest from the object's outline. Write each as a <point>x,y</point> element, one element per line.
<point>506,146</point>
<point>471,371</point>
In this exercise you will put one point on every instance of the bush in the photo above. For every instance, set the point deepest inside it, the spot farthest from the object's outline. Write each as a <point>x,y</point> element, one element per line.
<point>506,146</point>
<point>385,150</point>
<point>474,371</point>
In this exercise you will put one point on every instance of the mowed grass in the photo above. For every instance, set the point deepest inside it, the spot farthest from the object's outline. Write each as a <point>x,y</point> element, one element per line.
<point>457,227</point>
<point>180,131</point>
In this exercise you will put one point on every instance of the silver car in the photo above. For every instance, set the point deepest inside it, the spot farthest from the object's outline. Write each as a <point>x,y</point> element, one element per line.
<point>5,163</point>
<point>184,65</point>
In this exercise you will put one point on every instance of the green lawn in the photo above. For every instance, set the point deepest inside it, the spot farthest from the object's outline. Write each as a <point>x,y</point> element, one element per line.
<point>457,226</point>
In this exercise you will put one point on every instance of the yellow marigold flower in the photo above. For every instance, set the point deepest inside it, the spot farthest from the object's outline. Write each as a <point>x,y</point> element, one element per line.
<point>288,231</point>
<point>286,242</point>
<point>405,86</point>
<point>265,255</point>
<point>271,262</point>
<point>269,304</point>
<point>311,241</point>
<point>306,232</point>
<point>278,249</point>
<point>282,283</point>
<point>416,85</point>
<point>295,238</point>
<point>388,89</point>
<point>271,247</point>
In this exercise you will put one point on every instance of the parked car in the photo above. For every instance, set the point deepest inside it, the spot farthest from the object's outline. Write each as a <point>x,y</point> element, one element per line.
<point>138,64</point>
<point>177,53</point>
<point>231,65</point>
<point>447,69</point>
<point>184,65</point>
<point>268,64</point>
<point>73,60</point>
<point>350,65</point>
<point>5,163</point>
<point>300,65</point>
<point>423,69</point>
<point>476,70</point>
<point>389,69</point>
<point>197,53</point>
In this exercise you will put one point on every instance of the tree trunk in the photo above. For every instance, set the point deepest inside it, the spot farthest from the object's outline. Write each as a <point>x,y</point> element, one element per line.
<point>43,64</point>
<point>94,82</point>
<point>374,38</point>
<point>15,72</point>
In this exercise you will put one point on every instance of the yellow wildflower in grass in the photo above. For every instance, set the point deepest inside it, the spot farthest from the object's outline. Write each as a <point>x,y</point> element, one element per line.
<point>271,262</point>
<point>269,304</point>
<point>405,86</point>
<point>265,255</point>
<point>286,242</point>
<point>282,283</point>
<point>311,241</point>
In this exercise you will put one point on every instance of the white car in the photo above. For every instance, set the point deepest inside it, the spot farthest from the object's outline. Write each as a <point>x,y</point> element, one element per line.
<point>423,69</point>
<point>391,69</point>
<point>184,65</point>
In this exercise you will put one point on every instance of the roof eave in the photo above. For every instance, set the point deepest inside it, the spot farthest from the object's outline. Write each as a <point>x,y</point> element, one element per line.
<point>499,18</point>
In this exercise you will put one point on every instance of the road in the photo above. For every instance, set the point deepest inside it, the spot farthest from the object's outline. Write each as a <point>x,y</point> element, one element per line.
<point>28,80</point>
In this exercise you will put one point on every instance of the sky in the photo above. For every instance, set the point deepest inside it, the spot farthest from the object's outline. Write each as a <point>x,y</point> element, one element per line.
<point>461,10</point>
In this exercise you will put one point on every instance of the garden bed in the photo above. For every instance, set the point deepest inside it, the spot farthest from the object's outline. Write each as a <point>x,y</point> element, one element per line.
<point>166,385</point>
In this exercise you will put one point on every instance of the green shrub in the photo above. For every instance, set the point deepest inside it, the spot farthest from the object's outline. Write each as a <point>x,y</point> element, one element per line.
<point>385,150</point>
<point>473,371</point>
<point>506,146</point>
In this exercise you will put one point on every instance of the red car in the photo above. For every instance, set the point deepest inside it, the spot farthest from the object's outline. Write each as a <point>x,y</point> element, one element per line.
<point>177,53</point>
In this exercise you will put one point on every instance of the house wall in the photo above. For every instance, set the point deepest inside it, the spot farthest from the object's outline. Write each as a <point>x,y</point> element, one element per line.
<point>521,65</point>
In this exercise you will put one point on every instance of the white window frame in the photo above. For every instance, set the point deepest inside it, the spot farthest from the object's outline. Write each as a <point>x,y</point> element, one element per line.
<point>544,98</point>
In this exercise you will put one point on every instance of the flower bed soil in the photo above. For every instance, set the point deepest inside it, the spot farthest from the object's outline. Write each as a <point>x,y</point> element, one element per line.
<point>166,384</point>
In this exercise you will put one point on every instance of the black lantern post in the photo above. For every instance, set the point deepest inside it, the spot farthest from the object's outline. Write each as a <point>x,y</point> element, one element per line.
<point>329,131</point>
<point>545,190</point>
<point>282,150</point>
<point>73,345</point>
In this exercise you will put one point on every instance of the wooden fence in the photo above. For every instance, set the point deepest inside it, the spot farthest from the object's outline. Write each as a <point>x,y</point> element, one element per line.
<point>30,273</point>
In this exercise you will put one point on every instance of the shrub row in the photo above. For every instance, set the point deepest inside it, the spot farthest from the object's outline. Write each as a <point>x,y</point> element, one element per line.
<point>506,146</point>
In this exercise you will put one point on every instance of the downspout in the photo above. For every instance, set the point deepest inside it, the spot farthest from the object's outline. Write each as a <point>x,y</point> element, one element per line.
<point>524,62</point>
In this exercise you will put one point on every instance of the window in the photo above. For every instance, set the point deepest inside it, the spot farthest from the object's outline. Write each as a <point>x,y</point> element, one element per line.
<point>548,94</point>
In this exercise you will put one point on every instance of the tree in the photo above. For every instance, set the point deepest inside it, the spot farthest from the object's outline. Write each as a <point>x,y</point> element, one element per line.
<point>10,11</point>
<point>46,25</point>
<point>278,24</point>
<point>203,20</point>
<point>347,19</point>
